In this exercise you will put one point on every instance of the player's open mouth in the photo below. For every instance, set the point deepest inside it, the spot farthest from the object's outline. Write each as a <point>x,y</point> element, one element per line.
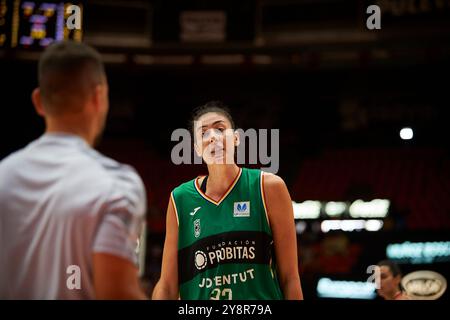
<point>219,151</point>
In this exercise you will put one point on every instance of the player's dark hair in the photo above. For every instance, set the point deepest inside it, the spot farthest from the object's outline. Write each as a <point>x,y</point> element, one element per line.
<point>211,106</point>
<point>395,269</point>
<point>67,71</point>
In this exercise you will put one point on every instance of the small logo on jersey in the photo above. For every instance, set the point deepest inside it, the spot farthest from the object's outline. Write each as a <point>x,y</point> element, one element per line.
<point>197,229</point>
<point>200,260</point>
<point>241,209</point>
<point>195,210</point>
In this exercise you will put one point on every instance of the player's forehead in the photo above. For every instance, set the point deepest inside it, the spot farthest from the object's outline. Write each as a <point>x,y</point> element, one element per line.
<point>385,270</point>
<point>211,119</point>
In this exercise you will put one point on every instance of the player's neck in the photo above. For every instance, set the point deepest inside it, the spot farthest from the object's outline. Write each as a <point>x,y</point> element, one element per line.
<point>221,177</point>
<point>394,295</point>
<point>71,127</point>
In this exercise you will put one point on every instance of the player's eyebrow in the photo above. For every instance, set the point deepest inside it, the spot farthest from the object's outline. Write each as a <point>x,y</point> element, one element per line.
<point>214,123</point>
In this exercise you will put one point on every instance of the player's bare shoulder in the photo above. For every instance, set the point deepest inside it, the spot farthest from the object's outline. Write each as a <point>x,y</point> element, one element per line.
<point>272,182</point>
<point>276,195</point>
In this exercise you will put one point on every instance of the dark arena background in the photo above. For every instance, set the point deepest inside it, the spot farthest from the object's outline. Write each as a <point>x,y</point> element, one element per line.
<point>362,114</point>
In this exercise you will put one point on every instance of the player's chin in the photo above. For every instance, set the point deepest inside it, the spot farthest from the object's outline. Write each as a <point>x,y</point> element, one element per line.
<point>219,161</point>
<point>380,293</point>
<point>216,160</point>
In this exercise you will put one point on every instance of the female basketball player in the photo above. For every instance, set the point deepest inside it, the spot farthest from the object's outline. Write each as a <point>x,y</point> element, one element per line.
<point>230,234</point>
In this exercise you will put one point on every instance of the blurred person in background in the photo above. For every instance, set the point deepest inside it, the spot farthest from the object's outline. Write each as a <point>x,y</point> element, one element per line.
<point>70,218</point>
<point>390,281</point>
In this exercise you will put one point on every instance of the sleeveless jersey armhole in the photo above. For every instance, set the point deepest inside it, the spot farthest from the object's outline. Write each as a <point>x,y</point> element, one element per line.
<point>263,198</point>
<point>172,198</point>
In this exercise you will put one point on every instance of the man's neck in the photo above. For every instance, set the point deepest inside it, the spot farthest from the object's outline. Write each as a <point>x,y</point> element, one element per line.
<point>70,127</point>
<point>394,295</point>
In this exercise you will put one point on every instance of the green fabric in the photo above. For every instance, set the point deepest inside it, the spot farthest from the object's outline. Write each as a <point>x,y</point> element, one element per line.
<point>225,250</point>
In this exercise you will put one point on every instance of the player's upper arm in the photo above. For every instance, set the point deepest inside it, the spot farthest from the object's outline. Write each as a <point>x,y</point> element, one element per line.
<point>281,218</point>
<point>115,247</point>
<point>167,286</point>
<point>115,278</point>
<point>123,216</point>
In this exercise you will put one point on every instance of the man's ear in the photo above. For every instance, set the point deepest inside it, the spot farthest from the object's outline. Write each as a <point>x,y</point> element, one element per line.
<point>398,279</point>
<point>37,102</point>
<point>97,96</point>
<point>198,150</point>
<point>237,138</point>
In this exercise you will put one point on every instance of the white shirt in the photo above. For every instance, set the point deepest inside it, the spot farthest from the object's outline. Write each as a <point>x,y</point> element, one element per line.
<point>61,201</point>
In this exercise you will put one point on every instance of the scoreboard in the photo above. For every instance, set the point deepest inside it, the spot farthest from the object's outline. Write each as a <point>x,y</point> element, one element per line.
<point>36,24</point>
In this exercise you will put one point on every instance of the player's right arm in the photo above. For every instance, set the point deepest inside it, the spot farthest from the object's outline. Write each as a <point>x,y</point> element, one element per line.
<point>167,286</point>
<point>116,278</point>
<point>115,249</point>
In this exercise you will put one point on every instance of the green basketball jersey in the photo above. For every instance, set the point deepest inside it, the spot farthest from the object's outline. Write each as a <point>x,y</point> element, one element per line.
<point>225,248</point>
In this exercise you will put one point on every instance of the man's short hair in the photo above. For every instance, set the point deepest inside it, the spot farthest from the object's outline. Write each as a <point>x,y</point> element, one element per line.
<point>67,73</point>
<point>393,267</point>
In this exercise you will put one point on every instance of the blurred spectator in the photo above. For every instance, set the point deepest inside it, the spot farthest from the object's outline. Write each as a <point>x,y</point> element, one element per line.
<point>390,282</point>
